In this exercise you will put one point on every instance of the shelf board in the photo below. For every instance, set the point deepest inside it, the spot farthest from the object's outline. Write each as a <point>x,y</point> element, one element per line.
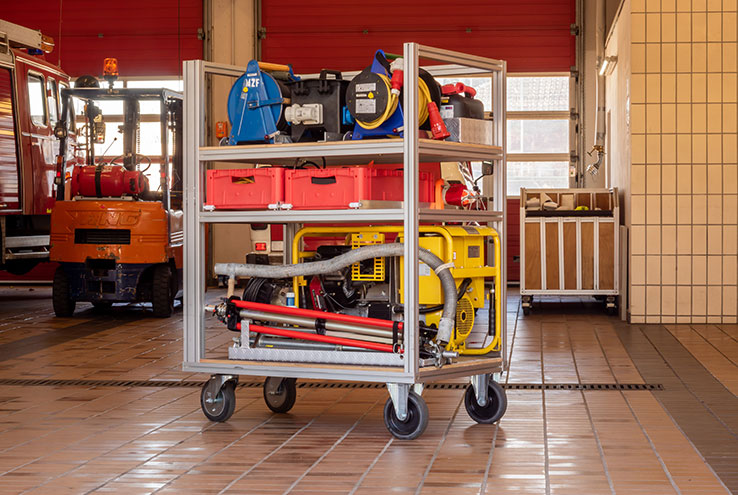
<point>372,216</point>
<point>350,152</point>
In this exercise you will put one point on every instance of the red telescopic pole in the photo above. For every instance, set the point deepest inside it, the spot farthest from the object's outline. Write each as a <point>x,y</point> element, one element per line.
<point>283,332</point>
<point>310,313</point>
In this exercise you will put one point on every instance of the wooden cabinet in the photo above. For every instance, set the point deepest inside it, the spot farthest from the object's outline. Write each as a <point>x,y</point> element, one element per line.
<point>565,250</point>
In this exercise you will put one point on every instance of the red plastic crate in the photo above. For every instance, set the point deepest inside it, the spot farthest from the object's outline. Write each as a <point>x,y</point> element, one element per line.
<point>248,189</point>
<point>336,188</point>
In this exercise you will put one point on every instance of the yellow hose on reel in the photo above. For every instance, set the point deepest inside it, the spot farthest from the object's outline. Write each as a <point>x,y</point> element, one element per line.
<point>424,98</point>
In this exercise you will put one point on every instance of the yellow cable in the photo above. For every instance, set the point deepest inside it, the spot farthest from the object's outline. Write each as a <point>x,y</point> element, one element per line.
<point>424,98</point>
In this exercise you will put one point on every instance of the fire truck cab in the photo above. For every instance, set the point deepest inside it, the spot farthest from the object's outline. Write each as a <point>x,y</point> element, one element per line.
<point>29,109</point>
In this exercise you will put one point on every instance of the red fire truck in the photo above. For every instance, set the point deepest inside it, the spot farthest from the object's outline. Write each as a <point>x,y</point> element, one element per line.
<point>29,110</point>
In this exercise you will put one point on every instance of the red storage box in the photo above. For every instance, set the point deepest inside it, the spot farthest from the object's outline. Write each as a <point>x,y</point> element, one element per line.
<point>249,188</point>
<point>333,188</point>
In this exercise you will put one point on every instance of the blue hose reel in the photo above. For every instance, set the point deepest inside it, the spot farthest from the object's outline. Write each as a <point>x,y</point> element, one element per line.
<point>394,124</point>
<point>255,107</point>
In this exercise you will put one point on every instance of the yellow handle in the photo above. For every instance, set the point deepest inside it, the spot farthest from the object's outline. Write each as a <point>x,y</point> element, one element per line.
<point>273,67</point>
<point>495,344</point>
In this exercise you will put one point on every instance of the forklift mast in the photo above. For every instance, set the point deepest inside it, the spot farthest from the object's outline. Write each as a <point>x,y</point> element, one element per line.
<point>170,164</point>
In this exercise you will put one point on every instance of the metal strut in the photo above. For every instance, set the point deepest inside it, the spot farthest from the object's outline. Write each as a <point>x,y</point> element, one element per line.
<point>480,383</point>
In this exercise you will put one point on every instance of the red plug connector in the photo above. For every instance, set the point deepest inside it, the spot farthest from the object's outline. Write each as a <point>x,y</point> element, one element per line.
<point>457,89</point>
<point>438,128</point>
<point>397,80</point>
<point>398,76</point>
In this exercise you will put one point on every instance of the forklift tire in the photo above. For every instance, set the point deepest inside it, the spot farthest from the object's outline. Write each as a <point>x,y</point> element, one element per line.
<point>60,296</point>
<point>102,305</point>
<point>163,291</point>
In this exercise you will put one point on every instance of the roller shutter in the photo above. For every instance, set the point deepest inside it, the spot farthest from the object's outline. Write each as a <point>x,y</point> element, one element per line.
<point>148,38</point>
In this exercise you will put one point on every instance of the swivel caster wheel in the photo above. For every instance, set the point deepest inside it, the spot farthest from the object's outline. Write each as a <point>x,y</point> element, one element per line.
<point>218,404</point>
<point>280,393</point>
<point>493,410</point>
<point>527,304</point>
<point>415,421</point>
<point>611,306</point>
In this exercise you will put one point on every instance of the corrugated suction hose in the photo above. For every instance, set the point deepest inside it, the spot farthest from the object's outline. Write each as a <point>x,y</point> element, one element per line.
<point>448,317</point>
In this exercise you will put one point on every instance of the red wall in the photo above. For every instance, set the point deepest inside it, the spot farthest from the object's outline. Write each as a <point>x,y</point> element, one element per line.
<point>513,239</point>
<point>149,38</point>
<point>532,35</point>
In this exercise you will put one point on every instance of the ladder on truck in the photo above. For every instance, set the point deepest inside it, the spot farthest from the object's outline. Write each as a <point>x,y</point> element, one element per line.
<point>15,36</point>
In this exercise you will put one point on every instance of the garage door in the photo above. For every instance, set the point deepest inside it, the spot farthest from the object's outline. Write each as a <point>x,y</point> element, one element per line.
<point>148,38</point>
<point>533,35</point>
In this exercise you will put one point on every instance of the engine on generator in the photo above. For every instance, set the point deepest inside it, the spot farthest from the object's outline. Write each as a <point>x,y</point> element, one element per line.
<point>336,292</point>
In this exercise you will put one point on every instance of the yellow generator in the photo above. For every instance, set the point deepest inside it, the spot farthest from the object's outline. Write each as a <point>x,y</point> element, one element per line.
<point>464,247</point>
<point>374,287</point>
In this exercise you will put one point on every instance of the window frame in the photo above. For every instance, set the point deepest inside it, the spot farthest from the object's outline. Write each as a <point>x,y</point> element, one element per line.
<point>71,116</point>
<point>544,115</point>
<point>50,81</point>
<point>37,75</point>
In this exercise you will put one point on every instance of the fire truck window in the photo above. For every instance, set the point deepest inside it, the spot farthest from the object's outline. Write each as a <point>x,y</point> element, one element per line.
<point>36,99</point>
<point>53,101</point>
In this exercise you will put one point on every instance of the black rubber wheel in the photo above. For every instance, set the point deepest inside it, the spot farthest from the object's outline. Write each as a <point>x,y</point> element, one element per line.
<point>219,408</point>
<point>163,291</point>
<point>526,310</point>
<point>102,305</point>
<point>611,310</point>
<point>280,393</point>
<point>495,408</point>
<point>61,296</point>
<point>415,423</point>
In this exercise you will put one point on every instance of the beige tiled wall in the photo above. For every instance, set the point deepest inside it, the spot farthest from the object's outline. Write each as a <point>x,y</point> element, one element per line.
<point>684,175</point>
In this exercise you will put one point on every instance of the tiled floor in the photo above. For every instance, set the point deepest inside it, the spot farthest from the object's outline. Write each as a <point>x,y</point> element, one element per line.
<point>78,439</point>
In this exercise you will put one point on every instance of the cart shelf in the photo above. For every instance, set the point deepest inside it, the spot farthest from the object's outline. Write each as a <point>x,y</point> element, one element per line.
<point>465,366</point>
<point>369,215</point>
<point>350,152</point>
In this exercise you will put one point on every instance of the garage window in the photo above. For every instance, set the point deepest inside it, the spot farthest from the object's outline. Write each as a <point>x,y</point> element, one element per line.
<point>538,132</point>
<point>538,128</point>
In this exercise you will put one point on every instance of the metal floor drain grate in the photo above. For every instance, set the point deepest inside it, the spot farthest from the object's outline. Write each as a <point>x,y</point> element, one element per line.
<point>352,385</point>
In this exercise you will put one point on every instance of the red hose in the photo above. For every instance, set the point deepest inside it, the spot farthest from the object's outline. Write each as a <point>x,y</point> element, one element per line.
<point>283,332</point>
<point>310,313</point>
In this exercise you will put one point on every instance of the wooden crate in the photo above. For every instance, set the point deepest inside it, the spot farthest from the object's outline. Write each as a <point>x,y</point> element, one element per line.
<point>570,251</point>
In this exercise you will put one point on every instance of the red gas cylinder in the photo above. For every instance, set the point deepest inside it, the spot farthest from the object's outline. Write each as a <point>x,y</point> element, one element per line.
<point>105,181</point>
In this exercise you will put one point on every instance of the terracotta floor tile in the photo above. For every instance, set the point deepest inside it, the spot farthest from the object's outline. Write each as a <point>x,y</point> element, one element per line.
<point>128,440</point>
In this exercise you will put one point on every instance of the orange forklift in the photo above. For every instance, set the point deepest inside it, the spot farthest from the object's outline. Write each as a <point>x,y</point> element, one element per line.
<point>115,238</point>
